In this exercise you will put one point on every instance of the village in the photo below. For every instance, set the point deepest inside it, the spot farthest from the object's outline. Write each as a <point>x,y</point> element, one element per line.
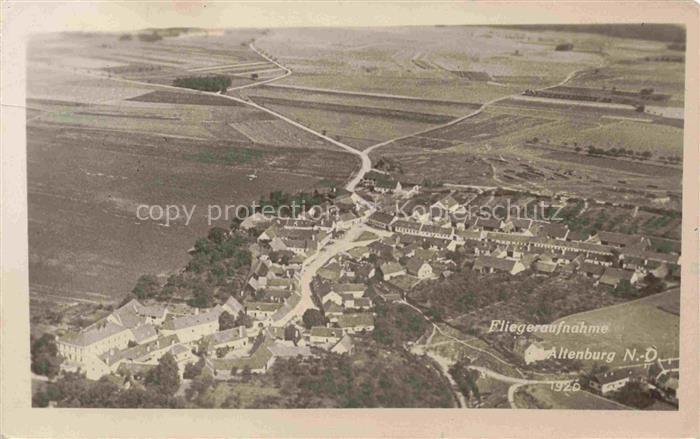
<point>315,279</point>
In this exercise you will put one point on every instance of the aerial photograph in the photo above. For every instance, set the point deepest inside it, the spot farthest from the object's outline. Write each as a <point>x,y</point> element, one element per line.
<point>434,216</point>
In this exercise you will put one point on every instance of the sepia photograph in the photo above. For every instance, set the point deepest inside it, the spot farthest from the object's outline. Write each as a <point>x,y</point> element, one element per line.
<point>435,216</point>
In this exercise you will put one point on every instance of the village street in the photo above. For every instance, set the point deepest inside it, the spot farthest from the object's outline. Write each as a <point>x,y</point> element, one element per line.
<point>314,263</point>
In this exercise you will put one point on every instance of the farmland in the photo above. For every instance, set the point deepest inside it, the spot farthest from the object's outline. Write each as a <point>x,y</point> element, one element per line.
<point>407,61</point>
<point>84,187</point>
<point>541,396</point>
<point>98,148</point>
<point>633,325</point>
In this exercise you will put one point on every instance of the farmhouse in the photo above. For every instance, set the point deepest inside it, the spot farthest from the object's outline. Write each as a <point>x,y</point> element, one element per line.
<point>555,231</point>
<point>148,353</point>
<point>591,270</point>
<point>380,220</point>
<point>533,352</point>
<point>333,297</point>
<point>487,224</point>
<point>448,204</point>
<point>144,333</point>
<point>407,227</point>
<point>619,240</point>
<point>332,310</point>
<point>354,323</point>
<point>233,306</point>
<point>261,310</point>
<point>193,327</point>
<point>490,264</point>
<point>613,276</point>
<point>347,220</point>
<point>391,269</point>
<point>258,362</point>
<point>387,186</point>
<point>611,381</point>
<point>518,225</point>
<point>419,268</point>
<point>84,346</point>
<point>344,346</point>
<point>234,338</point>
<point>354,289</point>
<point>323,335</point>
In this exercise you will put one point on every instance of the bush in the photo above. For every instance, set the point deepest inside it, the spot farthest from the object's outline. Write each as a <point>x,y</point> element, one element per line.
<point>44,354</point>
<point>313,317</point>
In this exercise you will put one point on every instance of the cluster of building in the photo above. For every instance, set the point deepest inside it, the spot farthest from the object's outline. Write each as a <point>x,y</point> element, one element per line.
<point>133,338</point>
<point>514,245</point>
<point>406,249</point>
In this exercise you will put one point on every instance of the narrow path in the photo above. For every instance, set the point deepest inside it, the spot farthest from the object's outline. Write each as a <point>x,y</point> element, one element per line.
<point>511,395</point>
<point>483,106</point>
<point>286,73</point>
<point>441,332</point>
<point>444,367</point>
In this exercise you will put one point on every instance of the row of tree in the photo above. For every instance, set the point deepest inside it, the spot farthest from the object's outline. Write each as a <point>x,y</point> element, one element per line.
<point>158,390</point>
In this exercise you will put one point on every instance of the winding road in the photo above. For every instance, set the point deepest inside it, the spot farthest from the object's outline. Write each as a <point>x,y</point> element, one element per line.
<point>314,263</point>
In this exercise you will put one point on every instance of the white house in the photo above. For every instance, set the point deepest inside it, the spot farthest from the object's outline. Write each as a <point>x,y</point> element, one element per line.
<point>193,327</point>
<point>419,268</point>
<point>611,381</point>
<point>86,345</point>
<point>323,335</point>
<point>538,351</point>
<point>354,323</point>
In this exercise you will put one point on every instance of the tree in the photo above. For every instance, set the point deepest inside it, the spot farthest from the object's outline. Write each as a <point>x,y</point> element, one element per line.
<point>44,355</point>
<point>625,289</point>
<point>290,333</point>
<point>226,321</point>
<point>313,317</point>
<point>633,394</point>
<point>244,319</point>
<point>165,377</point>
<point>147,286</point>
<point>246,373</point>
<point>193,370</point>
<point>233,401</point>
<point>235,224</point>
<point>217,235</point>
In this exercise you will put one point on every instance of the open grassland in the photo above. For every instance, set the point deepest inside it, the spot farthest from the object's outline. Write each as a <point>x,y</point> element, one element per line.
<point>638,324</point>
<point>542,396</point>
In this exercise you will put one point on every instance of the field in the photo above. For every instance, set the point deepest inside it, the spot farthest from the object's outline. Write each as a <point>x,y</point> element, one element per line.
<point>331,96</point>
<point>173,97</point>
<point>658,139</point>
<point>485,126</point>
<point>84,187</point>
<point>638,324</point>
<point>541,396</point>
<point>359,130</point>
<point>99,147</point>
<point>407,61</point>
